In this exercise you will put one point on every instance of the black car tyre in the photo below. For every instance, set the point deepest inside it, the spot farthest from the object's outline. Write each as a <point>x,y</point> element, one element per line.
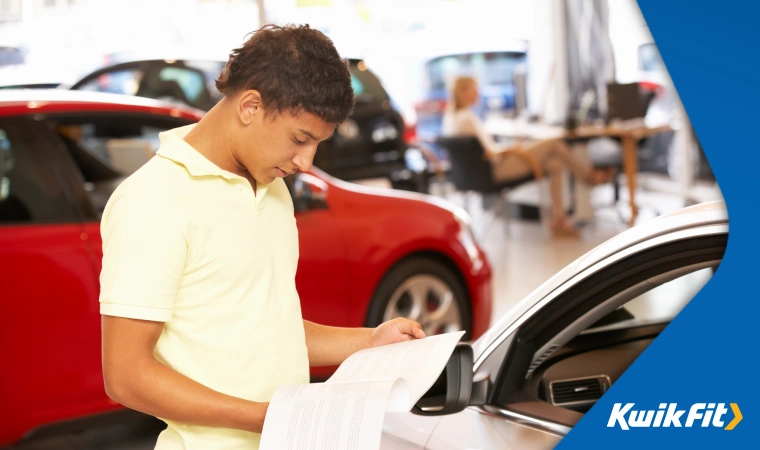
<point>424,290</point>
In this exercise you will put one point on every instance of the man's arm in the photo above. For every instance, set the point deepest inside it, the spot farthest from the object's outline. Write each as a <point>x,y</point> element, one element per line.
<point>134,378</point>
<point>330,346</point>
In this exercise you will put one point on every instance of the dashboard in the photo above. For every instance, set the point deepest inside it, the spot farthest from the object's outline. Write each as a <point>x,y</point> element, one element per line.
<point>576,375</point>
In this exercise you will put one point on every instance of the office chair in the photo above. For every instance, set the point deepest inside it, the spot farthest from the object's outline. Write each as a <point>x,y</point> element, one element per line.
<point>471,173</point>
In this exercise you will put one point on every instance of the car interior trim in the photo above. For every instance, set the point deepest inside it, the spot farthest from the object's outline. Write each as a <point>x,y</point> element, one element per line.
<point>604,384</point>
<point>522,419</point>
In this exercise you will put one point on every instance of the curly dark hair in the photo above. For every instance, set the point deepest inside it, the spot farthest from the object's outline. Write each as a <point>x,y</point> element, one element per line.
<point>295,68</point>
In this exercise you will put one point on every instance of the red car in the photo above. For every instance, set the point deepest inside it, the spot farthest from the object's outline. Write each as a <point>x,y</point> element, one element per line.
<point>366,255</point>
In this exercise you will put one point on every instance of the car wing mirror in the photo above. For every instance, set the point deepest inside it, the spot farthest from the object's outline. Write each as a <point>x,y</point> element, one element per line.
<point>309,192</point>
<point>454,390</point>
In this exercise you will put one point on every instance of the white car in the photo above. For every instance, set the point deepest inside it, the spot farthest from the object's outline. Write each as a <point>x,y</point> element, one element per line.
<point>546,362</point>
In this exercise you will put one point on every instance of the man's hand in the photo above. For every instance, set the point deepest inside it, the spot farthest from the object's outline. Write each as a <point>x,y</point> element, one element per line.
<point>330,346</point>
<point>396,330</point>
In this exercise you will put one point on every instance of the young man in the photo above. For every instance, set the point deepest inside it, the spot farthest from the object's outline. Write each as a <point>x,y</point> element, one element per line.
<point>201,318</point>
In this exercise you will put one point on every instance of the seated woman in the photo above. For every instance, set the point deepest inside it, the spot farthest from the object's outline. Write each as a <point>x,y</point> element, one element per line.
<point>552,155</point>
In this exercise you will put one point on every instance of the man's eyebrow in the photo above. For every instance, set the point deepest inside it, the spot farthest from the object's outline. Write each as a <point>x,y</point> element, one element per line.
<point>308,134</point>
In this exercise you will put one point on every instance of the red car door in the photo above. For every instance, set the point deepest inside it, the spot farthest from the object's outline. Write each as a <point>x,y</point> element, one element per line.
<point>51,327</point>
<point>322,278</point>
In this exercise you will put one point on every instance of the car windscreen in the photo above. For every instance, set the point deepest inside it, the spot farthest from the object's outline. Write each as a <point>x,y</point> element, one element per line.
<point>489,68</point>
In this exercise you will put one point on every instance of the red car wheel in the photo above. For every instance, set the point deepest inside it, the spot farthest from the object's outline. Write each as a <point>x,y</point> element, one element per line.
<point>424,290</point>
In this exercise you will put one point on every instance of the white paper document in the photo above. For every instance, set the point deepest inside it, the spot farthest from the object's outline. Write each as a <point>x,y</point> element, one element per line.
<point>346,411</point>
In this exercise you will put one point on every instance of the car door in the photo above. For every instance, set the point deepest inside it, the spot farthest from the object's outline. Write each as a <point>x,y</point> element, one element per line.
<point>322,277</point>
<point>50,321</point>
<point>589,329</point>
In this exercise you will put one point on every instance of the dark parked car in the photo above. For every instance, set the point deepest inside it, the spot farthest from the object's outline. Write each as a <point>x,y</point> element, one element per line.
<point>370,144</point>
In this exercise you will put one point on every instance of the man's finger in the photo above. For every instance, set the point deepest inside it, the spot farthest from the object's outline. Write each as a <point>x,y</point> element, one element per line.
<point>414,328</point>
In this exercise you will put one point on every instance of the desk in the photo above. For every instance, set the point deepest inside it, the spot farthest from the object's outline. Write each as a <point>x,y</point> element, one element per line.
<point>629,137</point>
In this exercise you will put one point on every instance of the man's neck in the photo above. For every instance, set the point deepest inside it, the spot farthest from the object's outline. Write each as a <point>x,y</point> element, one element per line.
<point>208,139</point>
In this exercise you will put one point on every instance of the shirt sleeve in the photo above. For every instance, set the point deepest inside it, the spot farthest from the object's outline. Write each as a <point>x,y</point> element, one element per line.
<point>144,257</point>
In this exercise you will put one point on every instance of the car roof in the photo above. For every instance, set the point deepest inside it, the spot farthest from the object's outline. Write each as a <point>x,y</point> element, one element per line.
<point>35,101</point>
<point>703,214</point>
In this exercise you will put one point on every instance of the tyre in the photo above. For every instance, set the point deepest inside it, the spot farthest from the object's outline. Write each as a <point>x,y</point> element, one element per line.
<point>424,290</point>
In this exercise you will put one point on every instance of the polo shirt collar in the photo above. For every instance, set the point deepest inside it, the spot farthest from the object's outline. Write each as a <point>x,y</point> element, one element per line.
<point>174,147</point>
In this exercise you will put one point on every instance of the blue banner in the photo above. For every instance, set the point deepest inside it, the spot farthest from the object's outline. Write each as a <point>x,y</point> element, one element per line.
<point>696,384</point>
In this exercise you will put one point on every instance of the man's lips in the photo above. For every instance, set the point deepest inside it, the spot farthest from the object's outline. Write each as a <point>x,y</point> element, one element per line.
<point>282,172</point>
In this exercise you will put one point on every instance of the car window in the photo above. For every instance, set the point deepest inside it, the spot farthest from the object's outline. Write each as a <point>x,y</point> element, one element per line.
<point>191,82</point>
<point>125,82</point>
<point>366,86</point>
<point>211,70</point>
<point>108,150</point>
<point>593,360</point>
<point>176,83</point>
<point>559,361</point>
<point>575,346</point>
<point>29,188</point>
<point>662,303</point>
<point>490,68</point>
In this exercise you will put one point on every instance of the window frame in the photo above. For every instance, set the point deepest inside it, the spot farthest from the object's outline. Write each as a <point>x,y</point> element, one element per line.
<point>69,169</point>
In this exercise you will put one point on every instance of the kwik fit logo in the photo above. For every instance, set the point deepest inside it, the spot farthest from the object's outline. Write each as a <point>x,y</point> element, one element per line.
<point>668,415</point>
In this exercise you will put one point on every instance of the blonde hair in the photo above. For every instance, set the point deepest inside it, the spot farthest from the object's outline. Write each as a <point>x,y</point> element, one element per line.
<point>460,84</point>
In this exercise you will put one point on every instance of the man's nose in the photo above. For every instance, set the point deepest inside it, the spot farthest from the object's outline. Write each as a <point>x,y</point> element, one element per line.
<point>304,159</point>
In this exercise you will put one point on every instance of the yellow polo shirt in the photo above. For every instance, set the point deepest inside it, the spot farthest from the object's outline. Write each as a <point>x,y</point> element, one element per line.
<point>191,245</point>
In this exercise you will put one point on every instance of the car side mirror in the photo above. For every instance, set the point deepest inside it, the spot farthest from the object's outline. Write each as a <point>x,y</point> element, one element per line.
<point>309,192</point>
<point>454,390</point>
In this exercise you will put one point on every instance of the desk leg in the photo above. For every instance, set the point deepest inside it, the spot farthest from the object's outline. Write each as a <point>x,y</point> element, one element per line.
<point>631,168</point>
<point>583,211</point>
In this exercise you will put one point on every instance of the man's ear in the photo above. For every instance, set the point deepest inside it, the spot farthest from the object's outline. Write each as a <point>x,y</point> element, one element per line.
<point>248,105</point>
